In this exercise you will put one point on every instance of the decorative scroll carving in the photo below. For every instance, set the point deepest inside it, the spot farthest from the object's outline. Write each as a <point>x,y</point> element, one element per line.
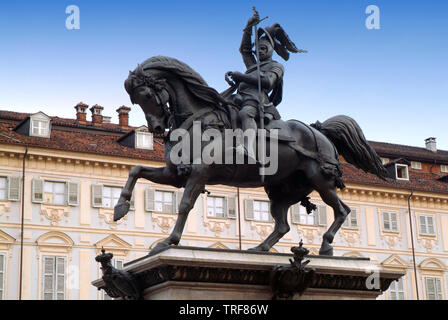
<point>262,228</point>
<point>108,216</point>
<point>54,213</point>
<point>217,225</point>
<point>164,220</point>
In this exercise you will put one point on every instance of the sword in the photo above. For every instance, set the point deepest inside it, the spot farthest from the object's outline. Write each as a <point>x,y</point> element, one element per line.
<point>260,104</point>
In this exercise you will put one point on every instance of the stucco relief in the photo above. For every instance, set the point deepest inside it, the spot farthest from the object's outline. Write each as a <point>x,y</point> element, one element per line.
<point>164,220</point>
<point>351,236</point>
<point>216,225</point>
<point>262,228</point>
<point>308,233</point>
<point>107,215</point>
<point>54,213</point>
<point>5,207</point>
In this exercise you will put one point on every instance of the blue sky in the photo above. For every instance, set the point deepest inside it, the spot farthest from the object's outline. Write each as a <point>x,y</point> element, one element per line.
<point>392,81</point>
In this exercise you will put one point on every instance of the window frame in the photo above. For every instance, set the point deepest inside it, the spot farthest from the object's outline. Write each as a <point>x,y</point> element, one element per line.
<point>405,166</point>
<point>269,219</point>
<point>444,168</point>
<point>436,293</point>
<point>112,187</point>
<point>390,229</point>
<point>416,165</point>
<point>65,202</point>
<point>163,202</point>
<point>150,140</point>
<point>45,126</point>
<point>55,276</point>
<point>426,216</point>
<point>224,207</point>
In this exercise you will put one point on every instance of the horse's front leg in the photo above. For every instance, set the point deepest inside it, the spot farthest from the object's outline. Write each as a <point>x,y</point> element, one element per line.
<point>161,175</point>
<point>193,188</point>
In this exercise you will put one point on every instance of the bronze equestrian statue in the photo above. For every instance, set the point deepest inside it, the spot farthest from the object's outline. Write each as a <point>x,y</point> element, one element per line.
<point>174,96</point>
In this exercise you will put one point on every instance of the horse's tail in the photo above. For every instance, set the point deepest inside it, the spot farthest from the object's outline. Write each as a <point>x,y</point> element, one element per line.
<point>350,142</point>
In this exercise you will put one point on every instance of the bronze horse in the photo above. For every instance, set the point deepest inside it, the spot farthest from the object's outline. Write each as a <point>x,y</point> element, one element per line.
<point>172,95</point>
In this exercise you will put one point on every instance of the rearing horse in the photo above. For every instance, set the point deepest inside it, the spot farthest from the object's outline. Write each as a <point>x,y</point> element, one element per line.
<point>172,95</point>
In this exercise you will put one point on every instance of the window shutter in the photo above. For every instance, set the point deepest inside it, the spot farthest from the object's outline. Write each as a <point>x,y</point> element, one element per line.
<point>2,276</point>
<point>60,278</point>
<point>149,199</point>
<point>177,199</point>
<point>97,195</point>
<point>423,228</point>
<point>430,224</point>
<point>386,221</point>
<point>438,285</point>
<point>72,194</point>
<point>322,215</point>
<point>394,222</point>
<point>38,191</point>
<point>249,209</point>
<point>231,207</point>
<point>14,188</point>
<point>430,288</point>
<point>354,218</point>
<point>132,201</point>
<point>48,278</point>
<point>295,213</point>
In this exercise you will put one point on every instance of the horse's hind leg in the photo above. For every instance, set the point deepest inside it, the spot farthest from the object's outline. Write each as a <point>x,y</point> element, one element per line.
<point>327,191</point>
<point>279,212</point>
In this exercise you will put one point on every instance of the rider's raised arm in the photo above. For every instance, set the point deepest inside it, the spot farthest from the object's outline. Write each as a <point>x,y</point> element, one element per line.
<point>246,45</point>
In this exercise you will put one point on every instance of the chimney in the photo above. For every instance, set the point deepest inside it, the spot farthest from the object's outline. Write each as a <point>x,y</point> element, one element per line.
<point>81,114</point>
<point>123,117</point>
<point>431,144</point>
<point>97,118</point>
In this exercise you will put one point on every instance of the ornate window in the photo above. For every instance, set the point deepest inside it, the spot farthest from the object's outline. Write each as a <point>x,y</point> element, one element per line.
<point>433,286</point>
<point>55,192</point>
<point>315,218</point>
<point>107,196</point>
<point>390,221</point>
<point>261,211</point>
<point>426,224</point>
<point>216,207</point>
<point>54,274</point>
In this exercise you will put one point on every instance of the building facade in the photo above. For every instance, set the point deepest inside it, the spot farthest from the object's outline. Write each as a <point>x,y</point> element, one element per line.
<point>60,179</point>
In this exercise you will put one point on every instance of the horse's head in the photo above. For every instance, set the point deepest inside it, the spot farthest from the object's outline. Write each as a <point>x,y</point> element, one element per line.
<point>152,96</point>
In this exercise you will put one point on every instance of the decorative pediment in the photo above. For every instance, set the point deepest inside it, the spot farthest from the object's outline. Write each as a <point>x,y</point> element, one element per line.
<point>114,244</point>
<point>394,261</point>
<point>55,241</point>
<point>218,245</point>
<point>433,264</point>
<point>6,240</point>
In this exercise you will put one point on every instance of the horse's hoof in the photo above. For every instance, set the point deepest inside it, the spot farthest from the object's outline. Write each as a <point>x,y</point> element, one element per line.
<point>258,248</point>
<point>121,209</point>
<point>326,250</point>
<point>161,246</point>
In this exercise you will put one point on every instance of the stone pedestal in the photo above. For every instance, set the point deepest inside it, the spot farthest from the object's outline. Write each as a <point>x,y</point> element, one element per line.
<point>191,273</point>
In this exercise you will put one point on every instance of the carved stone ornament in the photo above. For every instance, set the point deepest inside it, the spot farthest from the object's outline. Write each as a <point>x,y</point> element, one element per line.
<point>164,220</point>
<point>118,283</point>
<point>287,280</point>
<point>54,213</point>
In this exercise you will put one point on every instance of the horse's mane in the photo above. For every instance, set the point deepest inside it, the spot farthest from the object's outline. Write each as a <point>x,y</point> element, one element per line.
<point>195,83</point>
